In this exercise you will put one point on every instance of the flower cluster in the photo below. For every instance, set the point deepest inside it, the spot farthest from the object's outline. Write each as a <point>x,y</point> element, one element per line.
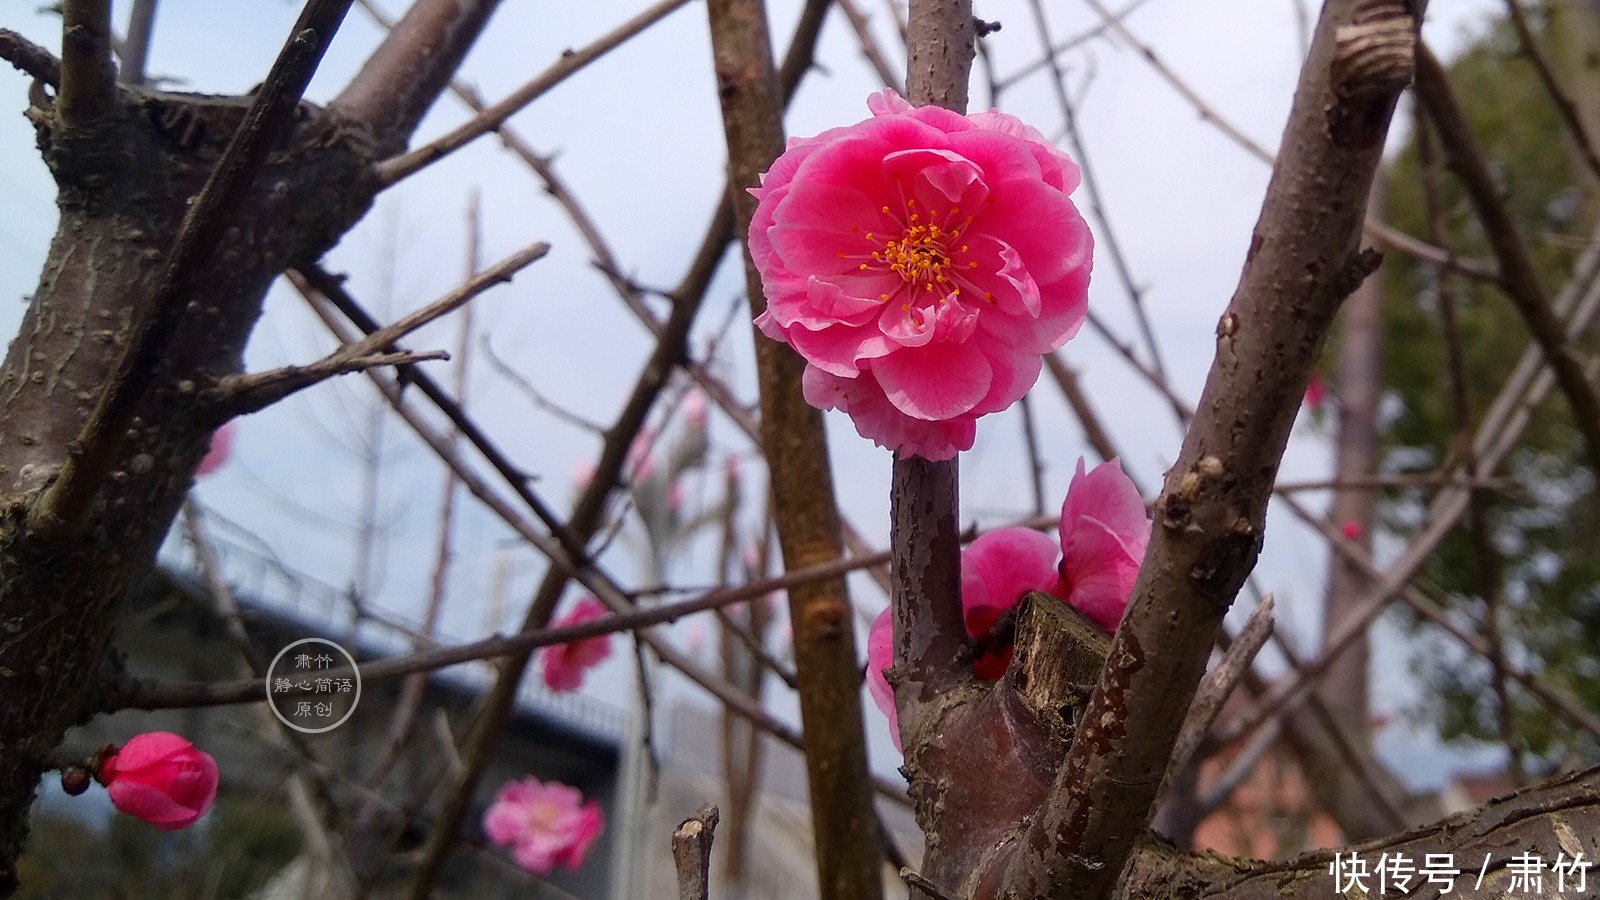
<point>921,262</point>
<point>161,778</point>
<point>1103,537</point>
<point>547,824</point>
<point>564,664</point>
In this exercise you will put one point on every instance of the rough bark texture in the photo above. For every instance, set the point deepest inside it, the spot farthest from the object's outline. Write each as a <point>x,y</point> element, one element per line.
<point>1302,263</point>
<point>125,182</point>
<point>827,667</point>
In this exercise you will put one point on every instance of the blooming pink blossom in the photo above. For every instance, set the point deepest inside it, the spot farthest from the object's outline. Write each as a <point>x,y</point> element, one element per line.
<point>1103,537</point>
<point>921,262</point>
<point>564,664</point>
<point>546,824</point>
<point>220,450</point>
<point>161,778</point>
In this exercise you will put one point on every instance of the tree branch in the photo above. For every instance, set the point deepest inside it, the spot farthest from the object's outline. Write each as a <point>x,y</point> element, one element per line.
<point>136,49</point>
<point>241,394</point>
<point>26,56</point>
<point>64,508</point>
<point>393,90</point>
<point>392,170</point>
<point>691,853</point>
<point>88,77</point>
<point>1518,279</point>
<point>803,508</point>
<point>1303,263</point>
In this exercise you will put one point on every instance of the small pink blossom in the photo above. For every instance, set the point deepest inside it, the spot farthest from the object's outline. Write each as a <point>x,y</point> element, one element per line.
<point>546,824</point>
<point>161,778</point>
<point>1352,529</point>
<point>695,409</point>
<point>1316,392</point>
<point>1103,537</point>
<point>564,664</point>
<point>218,453</point>
<point>921,262</point>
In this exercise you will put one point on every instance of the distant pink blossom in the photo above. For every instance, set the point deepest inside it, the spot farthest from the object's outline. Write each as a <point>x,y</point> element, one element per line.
<point>1316,392</point>
<point>1352,529</point>
<point>220,450</point>
<point>1103,537</point>
<point>564,664</point>
<point>921,262</point>
<point>638,461</point>
<point>695,409</point>
<point>547,824</point>
<point>582,474</point>
<point>161,778</point>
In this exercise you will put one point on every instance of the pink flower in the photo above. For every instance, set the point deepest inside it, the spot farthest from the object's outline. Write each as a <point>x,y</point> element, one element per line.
<point>547,825</point>
<point>564,664</point>
<point>161,778</point>
<point>921,262</point>
<point>1103,537</point>
<point>695,409</point>
<point>220,450</point>
<point>1352,529</point>
<point>1316,391</point>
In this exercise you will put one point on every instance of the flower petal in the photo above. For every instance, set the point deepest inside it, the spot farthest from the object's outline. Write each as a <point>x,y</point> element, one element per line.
<point>880,655</point>
<point>936,382</point>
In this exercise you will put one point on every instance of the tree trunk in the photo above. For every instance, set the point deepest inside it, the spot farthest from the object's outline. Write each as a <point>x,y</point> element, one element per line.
<point>125,184</point>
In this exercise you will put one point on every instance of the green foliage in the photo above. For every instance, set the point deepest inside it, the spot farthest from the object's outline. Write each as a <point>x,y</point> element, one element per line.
<point>1547,535</point>
<point>229,856</point>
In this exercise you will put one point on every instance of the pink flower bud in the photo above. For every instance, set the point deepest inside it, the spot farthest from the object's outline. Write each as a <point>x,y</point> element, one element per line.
<point>221,449</point>
<point>1352,529</point>
<point>1315,392</point>
<point>161,778</point>
<point>695,410</point>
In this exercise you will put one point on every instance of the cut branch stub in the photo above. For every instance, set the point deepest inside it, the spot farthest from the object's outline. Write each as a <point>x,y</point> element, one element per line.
<point>1059,654</point>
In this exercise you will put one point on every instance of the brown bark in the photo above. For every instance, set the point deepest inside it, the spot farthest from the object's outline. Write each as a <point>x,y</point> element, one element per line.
<point>127,166</point>
<point>1209,519</point>
<point>843,825</point>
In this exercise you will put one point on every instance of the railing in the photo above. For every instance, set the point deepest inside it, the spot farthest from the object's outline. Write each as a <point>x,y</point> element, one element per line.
<point>260,581</point>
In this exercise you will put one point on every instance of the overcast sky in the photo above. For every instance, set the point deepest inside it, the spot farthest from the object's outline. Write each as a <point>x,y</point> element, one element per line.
<point>638,137</point>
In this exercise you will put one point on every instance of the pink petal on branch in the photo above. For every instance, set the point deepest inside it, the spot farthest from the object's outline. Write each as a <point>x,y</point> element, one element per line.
<point>1104,532</point>
<point>880,655</point>
<point>921,262</point>
<point>162,779</point>
<point>564,664</point>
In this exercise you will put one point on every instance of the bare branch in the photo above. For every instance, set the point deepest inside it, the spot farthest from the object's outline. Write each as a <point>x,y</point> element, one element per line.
<point>1093,430</point>
<point>88,77</point>
<point>1215,690</point>
<point>1210,516</point>
<point>392,170</point>
<point>247,393</point>
<point>869,45</point>
<point>26,56</point>
<point>532,393</point>
<point>804,510</point>
<point>395,87</point>
<point>1519,280</point>
<point>691,853</point>
<point>64,508</point>
<point>135,53</point>
<point>1558,94</point>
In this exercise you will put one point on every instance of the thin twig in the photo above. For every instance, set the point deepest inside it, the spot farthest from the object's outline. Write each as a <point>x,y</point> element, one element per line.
<point>1485,554</point>
<point>532,393</point>
<point>1547,76</point>
<point>247,393</point>
<point>64,508</point>
<point>392,170</point>
<point>1214,692</point>
<point>1518,278</point>
<point>1096,207</point>
<point>1030,437</point>
<point>869,45</point>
